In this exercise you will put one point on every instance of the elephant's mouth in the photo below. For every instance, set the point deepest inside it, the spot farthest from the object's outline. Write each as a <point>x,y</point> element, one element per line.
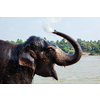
<point>53,72</point>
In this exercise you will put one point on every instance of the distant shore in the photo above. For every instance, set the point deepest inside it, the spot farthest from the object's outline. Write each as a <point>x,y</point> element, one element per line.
<point>88,53</point>
<point>85,53</point>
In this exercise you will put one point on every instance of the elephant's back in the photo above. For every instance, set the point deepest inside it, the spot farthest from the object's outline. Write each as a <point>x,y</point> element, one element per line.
<point>5,51</point>
<point>5,44</point>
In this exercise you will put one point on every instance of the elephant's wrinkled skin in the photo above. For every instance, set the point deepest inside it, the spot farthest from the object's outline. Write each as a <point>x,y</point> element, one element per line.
<point>20,62</point>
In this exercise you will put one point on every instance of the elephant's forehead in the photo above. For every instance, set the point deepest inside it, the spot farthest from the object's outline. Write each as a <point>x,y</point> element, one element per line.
<point>41,42</point>
<point>38,42</point>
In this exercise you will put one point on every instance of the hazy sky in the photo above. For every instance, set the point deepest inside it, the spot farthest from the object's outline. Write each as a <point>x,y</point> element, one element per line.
<point>85,28</point>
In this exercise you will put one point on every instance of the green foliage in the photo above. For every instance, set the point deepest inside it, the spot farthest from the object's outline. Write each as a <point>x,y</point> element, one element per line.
<point>18,41</point>
<point>53,42</point>
<point>11,41</point>
<point>92,53</point>
<point>92,47</point>
<point>71,52</point>
<point>45,38</point>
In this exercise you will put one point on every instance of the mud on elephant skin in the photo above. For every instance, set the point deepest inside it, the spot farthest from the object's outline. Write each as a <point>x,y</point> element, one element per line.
<point>20,62</point>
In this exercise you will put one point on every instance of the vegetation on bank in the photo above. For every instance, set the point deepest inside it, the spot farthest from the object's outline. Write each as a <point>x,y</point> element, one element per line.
<point>88,47</point>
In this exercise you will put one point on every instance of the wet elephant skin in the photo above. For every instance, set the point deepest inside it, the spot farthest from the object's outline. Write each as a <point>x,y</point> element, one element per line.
<point>20,62</point>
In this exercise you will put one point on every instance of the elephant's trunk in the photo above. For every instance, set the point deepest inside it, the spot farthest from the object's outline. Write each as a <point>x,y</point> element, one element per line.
<point>64,59</point>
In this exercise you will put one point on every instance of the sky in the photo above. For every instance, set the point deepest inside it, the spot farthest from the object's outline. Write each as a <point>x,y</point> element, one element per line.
<point>85,28</point>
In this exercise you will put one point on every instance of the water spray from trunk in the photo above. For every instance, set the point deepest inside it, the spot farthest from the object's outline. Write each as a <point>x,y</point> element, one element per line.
<point>48,22</point>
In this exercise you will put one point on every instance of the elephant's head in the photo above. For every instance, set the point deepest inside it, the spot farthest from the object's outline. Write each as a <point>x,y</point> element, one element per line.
<point>46,55</point>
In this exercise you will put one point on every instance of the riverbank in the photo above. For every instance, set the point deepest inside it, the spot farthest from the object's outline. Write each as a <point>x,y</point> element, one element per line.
<point>88,53</point>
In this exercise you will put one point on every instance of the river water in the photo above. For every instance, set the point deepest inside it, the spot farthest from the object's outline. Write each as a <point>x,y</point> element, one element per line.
<point>86,71</point>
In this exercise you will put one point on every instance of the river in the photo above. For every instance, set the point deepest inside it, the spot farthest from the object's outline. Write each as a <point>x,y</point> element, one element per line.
<point>86,71</point>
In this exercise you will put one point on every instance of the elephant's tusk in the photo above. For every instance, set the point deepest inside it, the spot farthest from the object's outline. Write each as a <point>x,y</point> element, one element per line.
<point>64,67</point>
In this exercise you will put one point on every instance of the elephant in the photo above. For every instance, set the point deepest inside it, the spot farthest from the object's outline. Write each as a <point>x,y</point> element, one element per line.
<point>20,62</point>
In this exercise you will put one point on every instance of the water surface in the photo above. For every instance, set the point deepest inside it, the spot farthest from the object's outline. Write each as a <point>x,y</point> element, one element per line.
<point>86,71</point>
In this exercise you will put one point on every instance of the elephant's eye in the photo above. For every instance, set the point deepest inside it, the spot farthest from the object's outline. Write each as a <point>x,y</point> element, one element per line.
<point>49,51</point>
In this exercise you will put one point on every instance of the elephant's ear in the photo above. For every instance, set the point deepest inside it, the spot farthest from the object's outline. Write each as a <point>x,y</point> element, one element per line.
<point>27,58</point>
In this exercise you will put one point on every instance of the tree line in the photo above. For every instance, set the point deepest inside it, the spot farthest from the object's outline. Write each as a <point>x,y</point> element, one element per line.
<point>90,47</point>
